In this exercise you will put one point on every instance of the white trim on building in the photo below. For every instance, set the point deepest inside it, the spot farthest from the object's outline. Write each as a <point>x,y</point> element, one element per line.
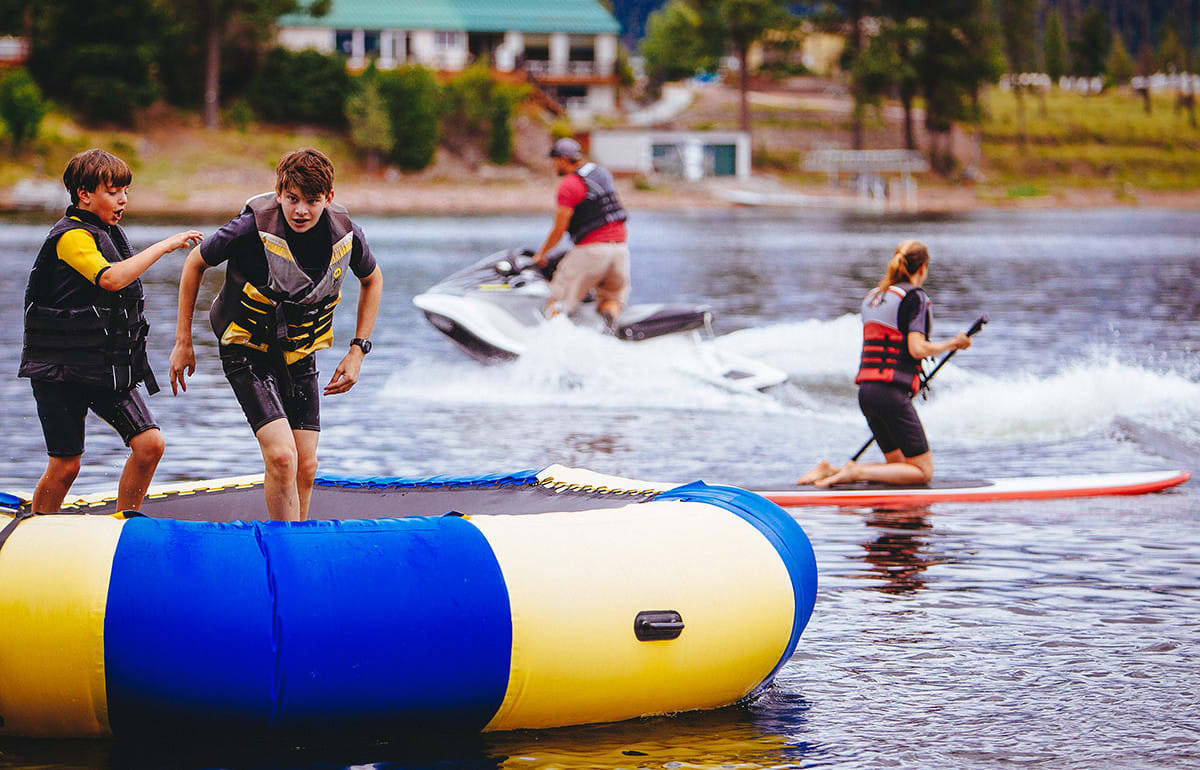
<point>449,50</point>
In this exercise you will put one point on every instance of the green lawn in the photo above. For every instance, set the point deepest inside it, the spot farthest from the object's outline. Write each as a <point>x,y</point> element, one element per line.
<point>1088,140</point>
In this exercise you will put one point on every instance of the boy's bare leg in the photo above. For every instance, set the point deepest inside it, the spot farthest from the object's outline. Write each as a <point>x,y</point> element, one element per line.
<point>278,447</point>
<point>54,484</point>
<point>822,470</point>
<point>145,450</point>
<point>306,467</point>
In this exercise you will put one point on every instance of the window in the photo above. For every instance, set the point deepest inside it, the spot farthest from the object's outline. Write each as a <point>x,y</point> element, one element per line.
<point>371,43</point>
<point>444,38</point>
<point>344,41</point>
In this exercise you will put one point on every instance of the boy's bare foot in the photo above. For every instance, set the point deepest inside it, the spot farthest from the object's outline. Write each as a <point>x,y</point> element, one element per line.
<point>822,470</point>
<point>848,472</point>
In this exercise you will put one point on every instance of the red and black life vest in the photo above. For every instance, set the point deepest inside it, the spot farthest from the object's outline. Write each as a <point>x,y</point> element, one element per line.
<point>885,356</point>
<point>74,330</point>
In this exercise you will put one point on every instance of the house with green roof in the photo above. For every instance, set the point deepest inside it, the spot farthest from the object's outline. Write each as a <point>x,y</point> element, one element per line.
<point>566,47</point>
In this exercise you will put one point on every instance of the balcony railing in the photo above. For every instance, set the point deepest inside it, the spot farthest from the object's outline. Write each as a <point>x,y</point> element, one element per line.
<point>541,68</point>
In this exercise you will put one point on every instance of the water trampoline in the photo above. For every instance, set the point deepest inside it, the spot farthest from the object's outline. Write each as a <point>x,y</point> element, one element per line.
<point>509,601</point>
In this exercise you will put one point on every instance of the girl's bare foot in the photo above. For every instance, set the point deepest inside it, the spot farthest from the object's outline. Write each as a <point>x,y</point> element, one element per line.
<point>822,470</point>
<point>848,472</point>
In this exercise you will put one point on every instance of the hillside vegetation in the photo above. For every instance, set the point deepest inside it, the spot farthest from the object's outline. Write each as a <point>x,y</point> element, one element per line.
<point>1081,141</point>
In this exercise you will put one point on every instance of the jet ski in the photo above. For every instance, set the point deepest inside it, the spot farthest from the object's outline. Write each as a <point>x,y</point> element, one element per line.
<point>491,308</point>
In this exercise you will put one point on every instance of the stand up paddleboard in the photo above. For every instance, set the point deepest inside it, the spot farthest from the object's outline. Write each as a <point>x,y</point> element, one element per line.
<point>870,493</point>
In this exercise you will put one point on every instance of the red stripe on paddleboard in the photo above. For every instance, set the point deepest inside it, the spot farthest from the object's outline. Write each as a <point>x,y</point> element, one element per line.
<point>789,498</point>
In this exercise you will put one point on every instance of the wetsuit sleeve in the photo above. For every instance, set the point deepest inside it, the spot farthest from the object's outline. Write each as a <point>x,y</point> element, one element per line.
<point>571,191</point>
<point>78,249</point>
<point>914,313</point>
<point>235,236</point>
<point>362,261</point>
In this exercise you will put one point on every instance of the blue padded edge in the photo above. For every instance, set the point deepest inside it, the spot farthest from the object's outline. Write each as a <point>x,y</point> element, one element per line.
<point>782,531</point>
<point>353,625</point>
<point>519,478</point>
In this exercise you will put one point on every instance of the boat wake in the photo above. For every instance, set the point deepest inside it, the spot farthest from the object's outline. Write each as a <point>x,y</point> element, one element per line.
<point>569,365</point>
<point>1097,396</point>
<point>1081,399</point>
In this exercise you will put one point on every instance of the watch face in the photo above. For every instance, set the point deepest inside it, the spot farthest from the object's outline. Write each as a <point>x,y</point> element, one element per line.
<point>364,344</point>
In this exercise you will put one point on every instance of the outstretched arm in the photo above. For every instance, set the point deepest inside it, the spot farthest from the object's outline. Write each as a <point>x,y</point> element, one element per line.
<point>346,374</point>
<point>183,356</point>
<point>125,272</point>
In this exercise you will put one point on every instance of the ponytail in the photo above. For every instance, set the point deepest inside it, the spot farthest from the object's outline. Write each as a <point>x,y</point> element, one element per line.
<point>909,258</point>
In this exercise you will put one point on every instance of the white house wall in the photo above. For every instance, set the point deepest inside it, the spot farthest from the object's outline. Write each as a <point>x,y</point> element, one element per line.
<point>302,38</point>
<point>424,49</point>
<point>602,100</point>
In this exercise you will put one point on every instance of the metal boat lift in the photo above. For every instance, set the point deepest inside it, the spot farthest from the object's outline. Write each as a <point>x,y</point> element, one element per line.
<point>869,170</point>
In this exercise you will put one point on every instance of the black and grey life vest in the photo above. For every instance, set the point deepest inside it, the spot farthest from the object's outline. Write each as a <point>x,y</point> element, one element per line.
<point>99,337</point>
<point>600,207</point>
<point>292,313</point>
<point>885,356</point>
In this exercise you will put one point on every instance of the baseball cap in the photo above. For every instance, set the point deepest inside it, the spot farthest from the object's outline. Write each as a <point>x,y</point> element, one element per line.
<point>566,148</point>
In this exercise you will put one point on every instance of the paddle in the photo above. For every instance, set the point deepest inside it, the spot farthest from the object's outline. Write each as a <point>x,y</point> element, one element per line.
<point>975,328</point>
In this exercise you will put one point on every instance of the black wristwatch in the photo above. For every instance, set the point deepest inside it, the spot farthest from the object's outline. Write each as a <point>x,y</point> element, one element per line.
<point>365,345</point>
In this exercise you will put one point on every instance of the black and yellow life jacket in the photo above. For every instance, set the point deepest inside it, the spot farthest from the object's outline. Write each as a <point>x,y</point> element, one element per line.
<point>74,330</point>
<point>600,207</point>
<point>292,313</point>
<point>885,356</point>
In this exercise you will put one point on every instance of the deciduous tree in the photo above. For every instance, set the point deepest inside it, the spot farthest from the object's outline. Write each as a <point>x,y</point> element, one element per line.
<point>96,58</point>
<point>673,47</point>
<point>21,107</point>
<point>367,116</point>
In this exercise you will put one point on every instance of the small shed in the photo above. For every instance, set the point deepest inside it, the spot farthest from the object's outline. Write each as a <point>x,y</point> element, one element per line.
<point>690,155</point>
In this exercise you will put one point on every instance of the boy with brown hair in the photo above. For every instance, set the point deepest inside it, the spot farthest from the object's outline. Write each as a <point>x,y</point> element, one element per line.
<point>286,256</point>
<point>85,331</point>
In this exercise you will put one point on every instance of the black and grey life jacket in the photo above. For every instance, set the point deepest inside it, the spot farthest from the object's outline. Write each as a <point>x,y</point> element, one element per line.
<point>96,338</point>
<point>292,313</point>
<point>600,207</point>
<point>885,356</point>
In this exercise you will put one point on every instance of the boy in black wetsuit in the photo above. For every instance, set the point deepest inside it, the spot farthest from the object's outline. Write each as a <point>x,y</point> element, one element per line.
<point>85,332</point>
<point>287,254</point>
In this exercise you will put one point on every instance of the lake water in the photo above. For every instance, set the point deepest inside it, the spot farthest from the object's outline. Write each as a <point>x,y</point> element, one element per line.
<point>1059,634</point>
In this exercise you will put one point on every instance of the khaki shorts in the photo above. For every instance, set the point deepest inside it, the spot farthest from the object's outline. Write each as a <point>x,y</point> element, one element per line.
<point>600,266</point>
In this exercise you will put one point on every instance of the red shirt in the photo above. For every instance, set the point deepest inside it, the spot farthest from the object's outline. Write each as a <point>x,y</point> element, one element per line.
<point>571,192</point>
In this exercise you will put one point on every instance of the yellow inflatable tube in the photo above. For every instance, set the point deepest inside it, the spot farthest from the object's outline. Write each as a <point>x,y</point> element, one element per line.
<point>52,643</point>
<point>577,580</point>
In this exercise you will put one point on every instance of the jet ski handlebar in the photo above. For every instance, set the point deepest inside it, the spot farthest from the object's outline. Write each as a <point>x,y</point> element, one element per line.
<point>520,260</point>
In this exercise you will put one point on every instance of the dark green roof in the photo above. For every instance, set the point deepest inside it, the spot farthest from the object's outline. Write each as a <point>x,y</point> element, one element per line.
<point>576,17</point>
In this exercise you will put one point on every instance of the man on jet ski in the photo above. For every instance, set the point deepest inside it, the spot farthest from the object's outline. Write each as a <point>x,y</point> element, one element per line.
<point>588,208</point>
